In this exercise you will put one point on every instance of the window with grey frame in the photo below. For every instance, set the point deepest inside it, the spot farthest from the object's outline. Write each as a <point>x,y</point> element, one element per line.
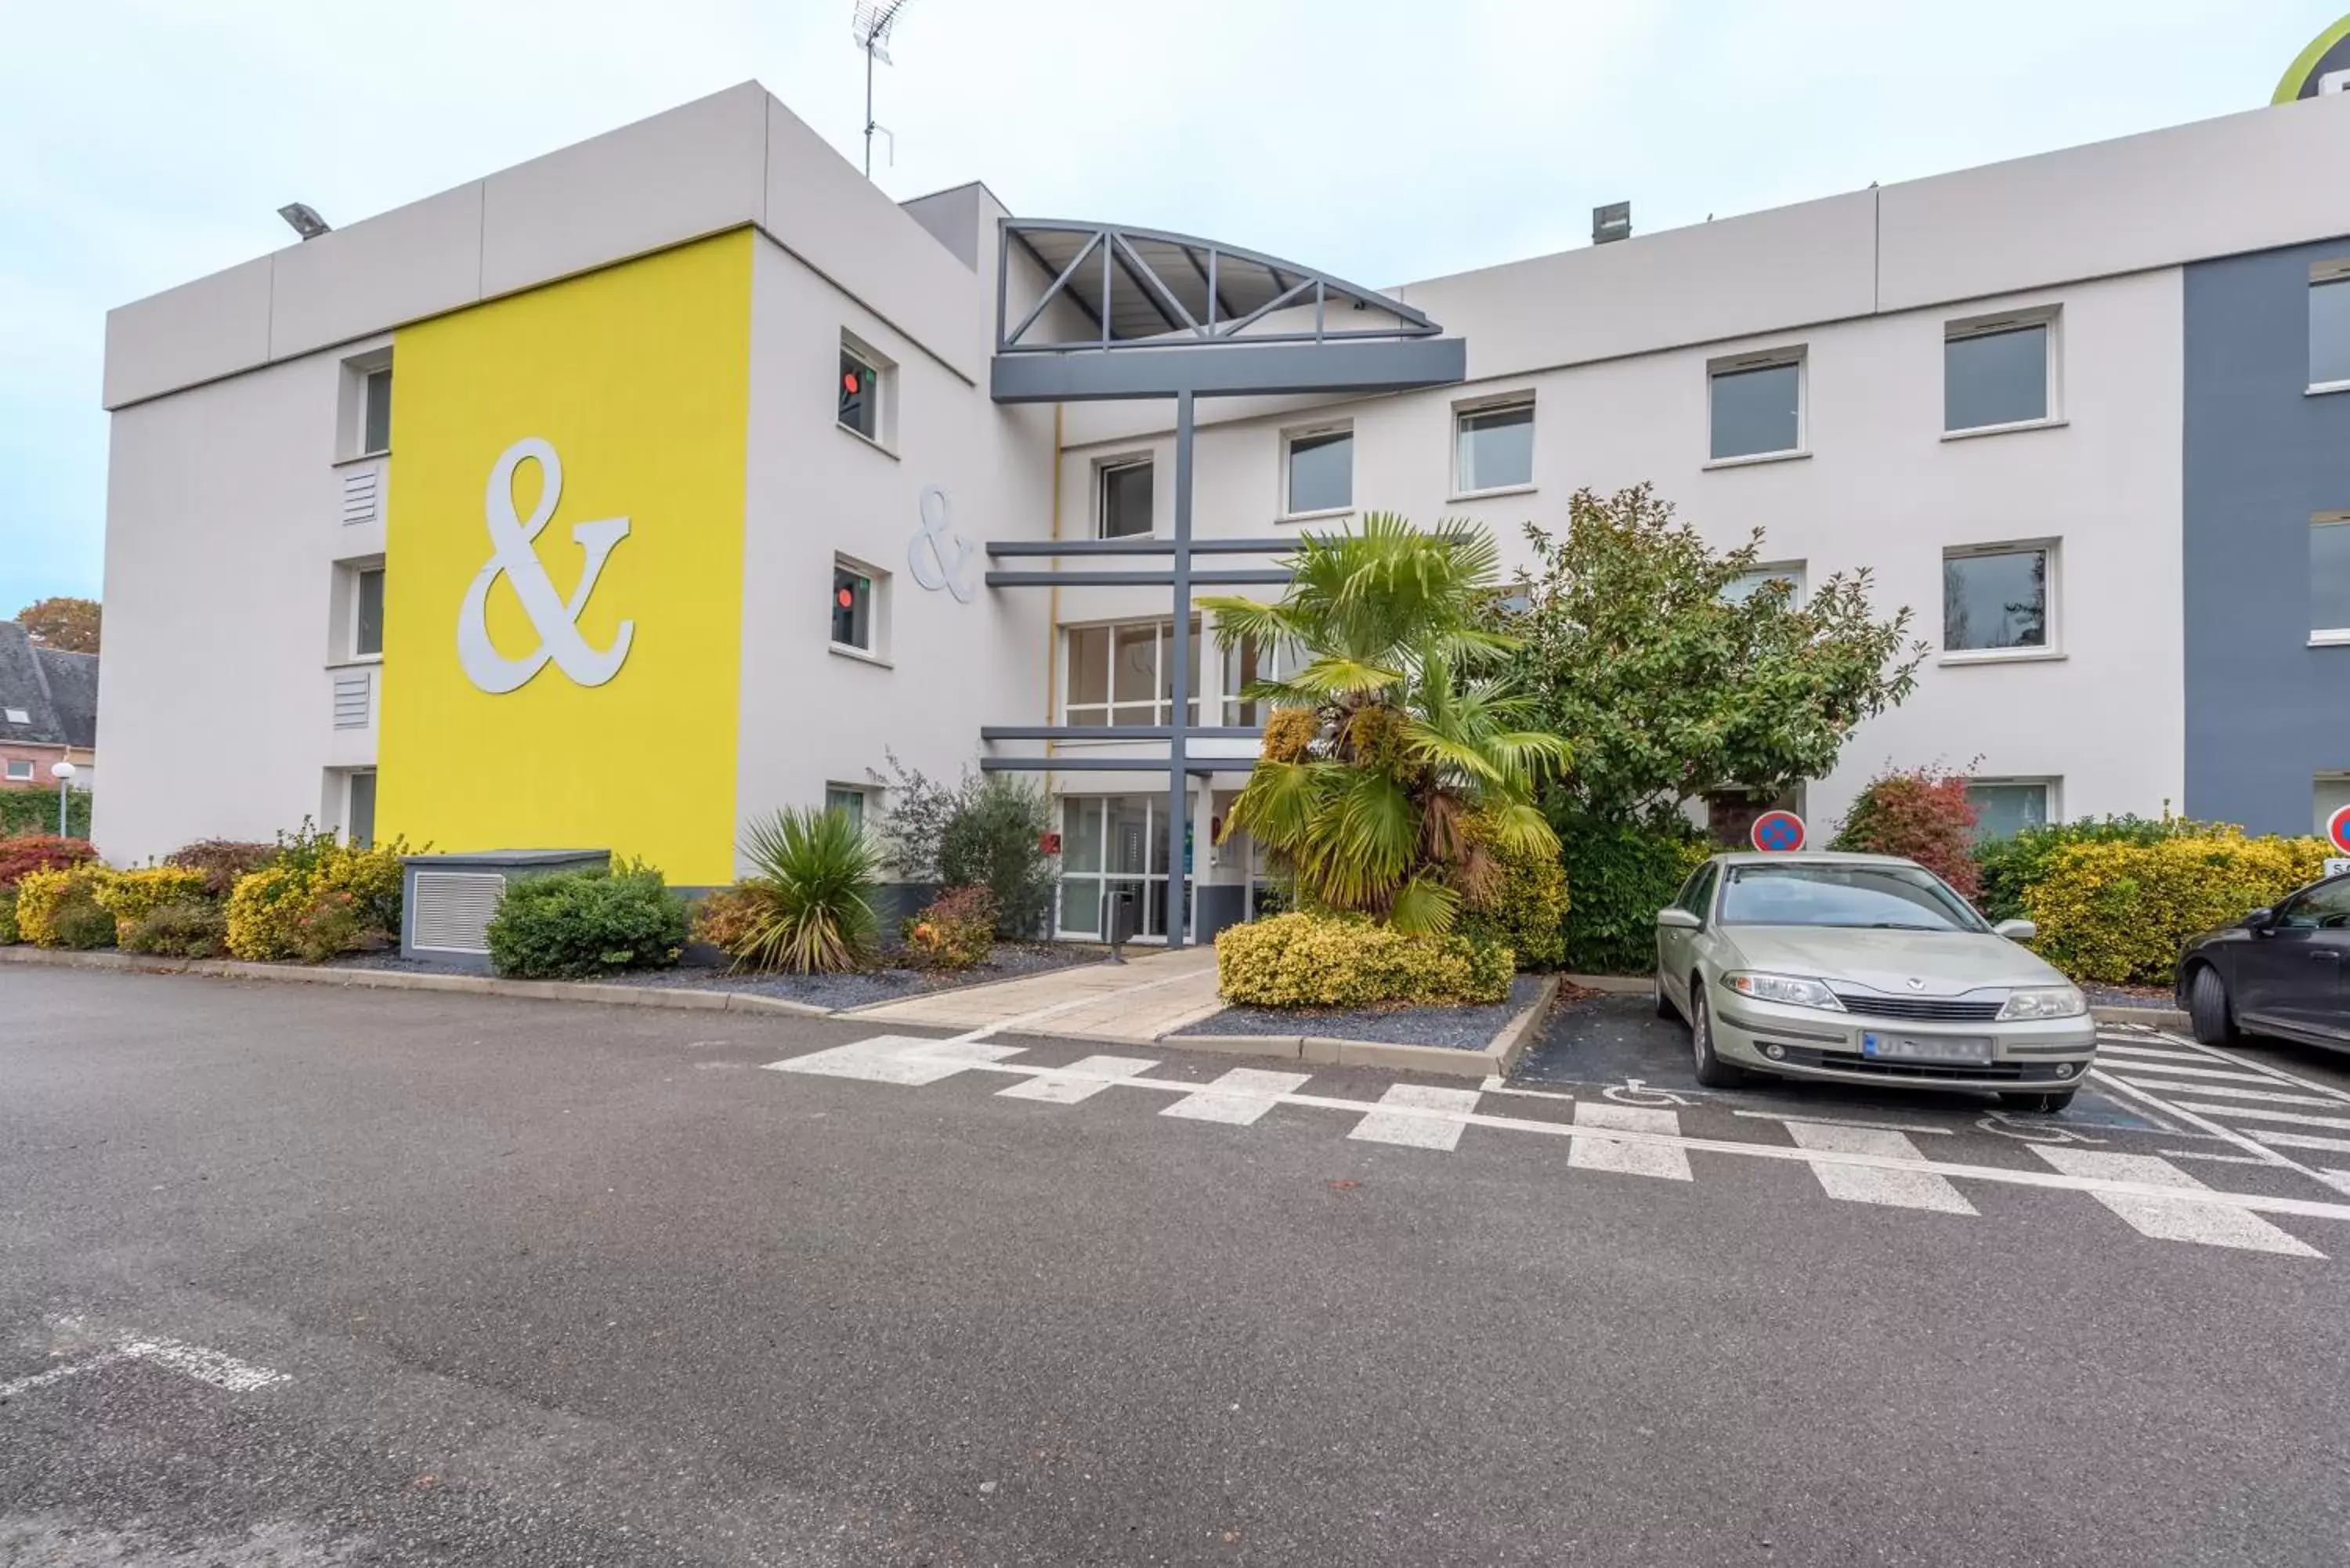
<point>849,802</point>
<point>2006,807</point>
<point>366,613</point>
<point>2329,326</point>
<point>1320,474</point>
<point>1494,447</point>
<point>1742,587</point>
<point>852,608</point>
<point>1121,674</point>
<point>1996,374</point>
<point>2329,576</point>
<point>375,413</point>
<point>1125,497</point>
<point>359,812</point>
<point>1755,407</point>
<point>1996,600</point>
<point>860,395</point>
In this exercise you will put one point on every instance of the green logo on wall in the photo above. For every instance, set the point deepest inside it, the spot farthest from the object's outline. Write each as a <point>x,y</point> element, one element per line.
<point>2323,67</point>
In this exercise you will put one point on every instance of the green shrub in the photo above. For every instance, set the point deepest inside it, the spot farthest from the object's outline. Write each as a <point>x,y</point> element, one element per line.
<point>314,898</point>
<point>128,896</point>
<point>956,930</point>
<point>372,876</point>
<point>40,852</point>
<point>814,877</point>
<point>8,936</point>
<point>2008,867</point>
<point>576,924</point>
<point>1619,875</point>
<point>264,913</point>
<point>1921,814</point>
<point>59,908</point>
<point>1351,961</point>
<point>1523,908</point>
<point>35,811</point>
<point>981,832</point>
<point>2116,912</point>
<point>194,927</point>
<point>221,861</point>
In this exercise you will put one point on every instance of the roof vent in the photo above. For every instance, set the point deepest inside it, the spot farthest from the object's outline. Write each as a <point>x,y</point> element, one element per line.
<point>1612,222</point>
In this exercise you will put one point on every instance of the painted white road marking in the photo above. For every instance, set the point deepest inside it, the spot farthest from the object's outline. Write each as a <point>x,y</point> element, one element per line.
<point>1080,1080</point>
<point>59,1374</point>
<point>1847,1122</point>
<point>2174,1070</point>
<point>2302,1140</point>
<point>1658,1160</point>
<point>2168,1218</point>
<point>1239,1096</point>
<point>215,1367</point>
<point>2223,1091</point>
<point>2111,1048</point>
<point>1860,1184</point>
<point>897,1059</point>
<point>2254,1114</point>
<point>1403,1117</point>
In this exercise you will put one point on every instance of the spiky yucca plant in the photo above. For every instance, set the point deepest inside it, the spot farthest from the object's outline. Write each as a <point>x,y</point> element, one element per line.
<point>814,875</point>
<point>1394,726</point>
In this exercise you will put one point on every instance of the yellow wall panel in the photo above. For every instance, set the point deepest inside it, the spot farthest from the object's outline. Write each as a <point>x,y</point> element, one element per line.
<point>504,721</point>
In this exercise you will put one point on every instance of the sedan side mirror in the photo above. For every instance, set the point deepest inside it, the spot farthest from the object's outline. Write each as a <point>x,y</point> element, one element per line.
<point>2016,930</point>
<point>1679,918</point>
<point>2260,920</point>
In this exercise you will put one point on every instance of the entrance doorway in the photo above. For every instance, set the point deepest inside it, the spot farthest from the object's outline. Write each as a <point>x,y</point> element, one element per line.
<point>1114,845</point>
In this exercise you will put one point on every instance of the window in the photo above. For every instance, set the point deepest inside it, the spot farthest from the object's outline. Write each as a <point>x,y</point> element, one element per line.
<point>2006,807</point>
<point>863,375</point>
<point>1113,851</point>
<point>359,815</point>
<point>1122,674</point>
<point>1742,587</point>
<point>366,613</point>
<point>1996,598</point>
<point>1757,405</point>
<point>1995,373</point>
<point>1245,664</point>
<point>847,800</point>
<point>2329,576</point>
<point>852,608</point>
<point>375,413</point>
<point>1125,510</point>
<point>1899,898</point>
<point>2324,908</point>
<point>1320,472</point>
<point>2329,325</point>
<point>1697,893</point>
<point>19,770</point>
<point>17,716</point>
<point>1494,448</point>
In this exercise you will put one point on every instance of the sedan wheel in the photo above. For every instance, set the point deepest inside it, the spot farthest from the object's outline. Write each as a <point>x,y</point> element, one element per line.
<point>2208,1009</point>
<point>1712,1070</point>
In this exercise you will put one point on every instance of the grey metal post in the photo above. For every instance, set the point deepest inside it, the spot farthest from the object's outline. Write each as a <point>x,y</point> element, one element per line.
<point>62,786</point>
<point>1178,819</point>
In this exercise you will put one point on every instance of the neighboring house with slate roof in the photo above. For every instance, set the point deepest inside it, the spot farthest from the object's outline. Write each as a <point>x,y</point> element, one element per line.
<point>48,710</point>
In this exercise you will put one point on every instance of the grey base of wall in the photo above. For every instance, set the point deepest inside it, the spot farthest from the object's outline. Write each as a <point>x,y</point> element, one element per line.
<point>1496,1059</point>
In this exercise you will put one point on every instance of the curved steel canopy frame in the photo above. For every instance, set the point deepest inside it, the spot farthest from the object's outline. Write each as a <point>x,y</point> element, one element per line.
<point>1194,318</point>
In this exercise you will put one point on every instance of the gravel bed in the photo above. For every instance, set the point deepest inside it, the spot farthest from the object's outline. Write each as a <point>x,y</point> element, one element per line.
<point>1010,962</point>
<point>2129,996</point>
<point>1459,1028</point>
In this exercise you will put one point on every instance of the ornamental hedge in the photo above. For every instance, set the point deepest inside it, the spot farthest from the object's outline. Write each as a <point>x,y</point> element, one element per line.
<point>2116,912</point>
<point>1350,961</point>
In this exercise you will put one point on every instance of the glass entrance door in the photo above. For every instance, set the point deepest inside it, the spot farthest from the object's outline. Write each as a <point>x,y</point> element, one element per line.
<point>1113,846</point>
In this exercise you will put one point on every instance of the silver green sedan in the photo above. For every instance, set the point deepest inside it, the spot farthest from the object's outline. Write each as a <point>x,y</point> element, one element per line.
<point>1863,969</point>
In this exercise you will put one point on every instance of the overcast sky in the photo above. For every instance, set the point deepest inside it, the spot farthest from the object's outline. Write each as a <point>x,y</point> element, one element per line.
<point>144,143</point>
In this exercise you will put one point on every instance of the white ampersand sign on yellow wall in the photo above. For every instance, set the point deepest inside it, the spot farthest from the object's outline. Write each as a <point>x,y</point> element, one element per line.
<point>556,621</point>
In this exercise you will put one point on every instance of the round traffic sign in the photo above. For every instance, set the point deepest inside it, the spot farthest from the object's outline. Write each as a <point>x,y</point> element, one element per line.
<point>1779,831</point>
<point>2337,828</point>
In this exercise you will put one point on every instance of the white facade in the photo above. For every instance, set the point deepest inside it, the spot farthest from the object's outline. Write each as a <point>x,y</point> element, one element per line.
<point>234,462</point>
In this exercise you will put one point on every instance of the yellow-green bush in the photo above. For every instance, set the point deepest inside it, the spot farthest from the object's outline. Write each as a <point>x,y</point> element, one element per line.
<point>1349,960</point>
<point>59,908</point>
<point>8,934</point>
<point>1523,905</point>
<point>2116,912</point>
<point>264,913</point>
<point>130,896</point>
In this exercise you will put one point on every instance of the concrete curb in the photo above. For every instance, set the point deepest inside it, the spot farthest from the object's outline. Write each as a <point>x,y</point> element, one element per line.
<point>2151,1017</point>
<point>1613,984</point>
<point>1494,1059</point>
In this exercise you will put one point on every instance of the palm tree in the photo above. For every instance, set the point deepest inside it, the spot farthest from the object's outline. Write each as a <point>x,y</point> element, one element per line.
<point>1397,751</point>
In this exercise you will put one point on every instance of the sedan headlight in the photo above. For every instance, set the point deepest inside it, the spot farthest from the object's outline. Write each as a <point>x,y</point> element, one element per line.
<point>1792,991</point>
<point>2032,1001</point>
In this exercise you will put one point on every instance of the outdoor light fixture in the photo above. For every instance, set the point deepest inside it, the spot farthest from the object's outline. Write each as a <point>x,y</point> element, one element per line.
<point>63,771</point>
<point>303,219</point>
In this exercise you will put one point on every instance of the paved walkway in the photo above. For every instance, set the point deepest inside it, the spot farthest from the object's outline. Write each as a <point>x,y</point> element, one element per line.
<point>1140,1000</point>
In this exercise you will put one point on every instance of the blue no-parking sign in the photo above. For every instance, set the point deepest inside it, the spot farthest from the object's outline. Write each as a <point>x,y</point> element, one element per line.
<point>1778,832</point>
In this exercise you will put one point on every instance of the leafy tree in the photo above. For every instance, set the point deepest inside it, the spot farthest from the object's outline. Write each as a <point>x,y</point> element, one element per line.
<point>1395,728</point>
<point>1670,685</point>
<point>983,831</point>
<point>68,624</point>
<point>1922,813</point>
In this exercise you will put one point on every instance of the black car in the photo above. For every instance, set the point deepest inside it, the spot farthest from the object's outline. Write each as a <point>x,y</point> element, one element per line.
<point>2279,970</point>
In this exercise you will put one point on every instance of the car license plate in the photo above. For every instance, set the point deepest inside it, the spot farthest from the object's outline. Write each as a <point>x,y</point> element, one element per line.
<point>1925,1048</point>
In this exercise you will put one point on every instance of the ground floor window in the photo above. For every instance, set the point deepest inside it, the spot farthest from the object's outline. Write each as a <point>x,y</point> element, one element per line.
<point>1113,847</point>
<point>848,801</point>
<point>2006,807</point>
<point>19,770</point>
<point>358,809</point>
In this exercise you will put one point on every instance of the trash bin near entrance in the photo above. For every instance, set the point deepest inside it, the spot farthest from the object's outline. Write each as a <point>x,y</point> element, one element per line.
<point>1121,924</point>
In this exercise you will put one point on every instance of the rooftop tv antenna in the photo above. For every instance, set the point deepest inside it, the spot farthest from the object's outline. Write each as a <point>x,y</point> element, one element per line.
<point>870,28</point>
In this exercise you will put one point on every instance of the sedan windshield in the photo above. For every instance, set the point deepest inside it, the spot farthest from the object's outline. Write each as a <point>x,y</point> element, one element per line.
<point>1877,897</point>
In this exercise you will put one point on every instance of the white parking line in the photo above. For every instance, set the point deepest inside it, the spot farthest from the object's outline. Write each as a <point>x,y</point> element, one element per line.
<point>2113,1048</point>
<point>911,1059</point>
<point>2168,1218</point>
<point>1660,1159</point>
<point>2223,1091</point>
<point>2254,1114</point>
<point>1847,1122</point>
<point>2168,1069</point>
<point>215,1367</point>
<point>1080,1080</point>
<point>1403,1117</point>
<point>1238,1097</point>
<point>2302,1140</point>
<point>1862,1184</point>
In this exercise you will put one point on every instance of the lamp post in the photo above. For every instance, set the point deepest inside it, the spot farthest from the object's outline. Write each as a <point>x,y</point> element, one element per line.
<point>63,772</point>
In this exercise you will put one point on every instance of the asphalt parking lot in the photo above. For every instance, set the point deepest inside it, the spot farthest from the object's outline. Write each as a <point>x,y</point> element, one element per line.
<point>292,1275</point>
